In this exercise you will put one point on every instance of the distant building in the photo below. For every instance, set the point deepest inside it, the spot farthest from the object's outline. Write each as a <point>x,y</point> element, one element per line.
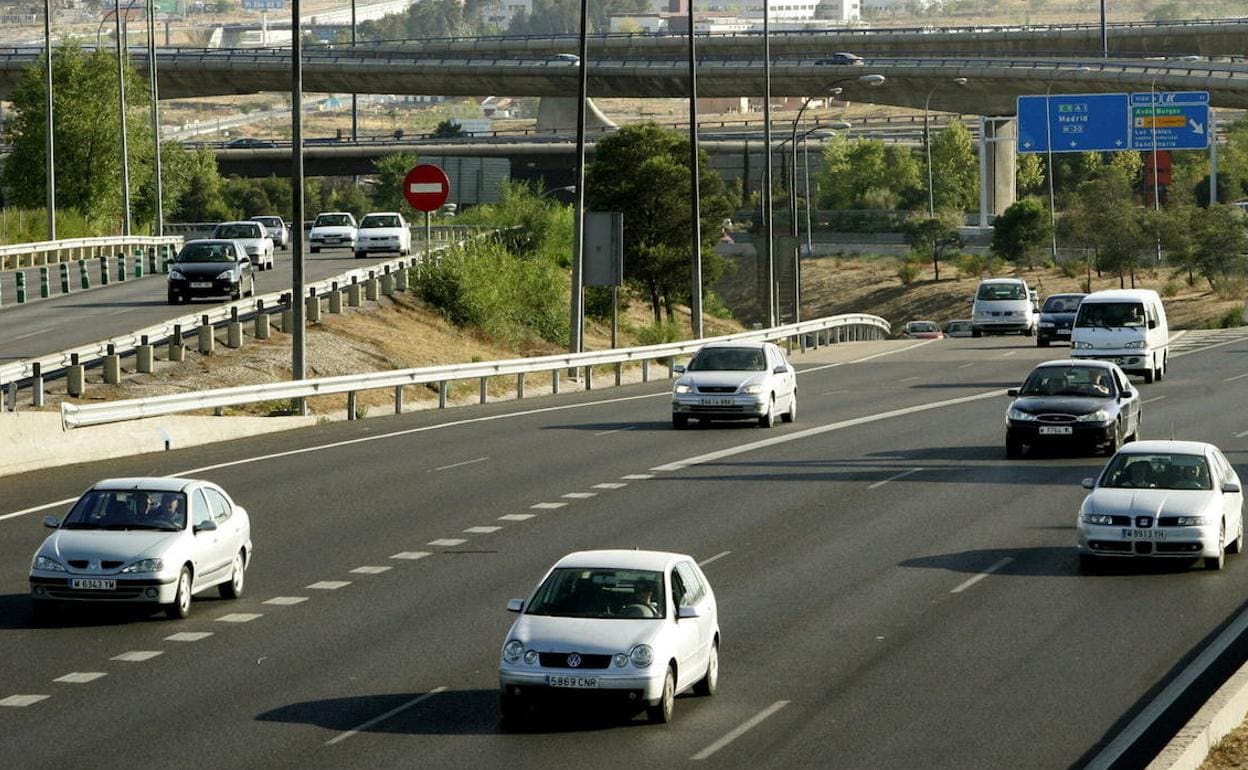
<point>744,15</point>
<point>503,12</point>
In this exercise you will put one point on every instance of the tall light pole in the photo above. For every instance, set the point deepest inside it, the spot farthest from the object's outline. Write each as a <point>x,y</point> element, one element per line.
<point>121,96</point>
<point>927,146</point>
<point>1048,140</point>
<point>298,366</point>
<point>159,225</point>
<point>1152,93</point>
<point>767,218</point>
<point>355,105</point>
<point>695,191</point>
<point>575,342</point>
<point>49,142</point>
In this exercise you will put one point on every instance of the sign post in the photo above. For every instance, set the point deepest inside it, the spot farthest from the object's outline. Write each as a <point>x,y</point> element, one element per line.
<point>426,187</point>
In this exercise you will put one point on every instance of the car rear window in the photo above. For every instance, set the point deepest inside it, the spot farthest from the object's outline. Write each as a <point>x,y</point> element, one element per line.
<point>1061,304</point>
<point>238,231</point>
<point>1001,291</point>
<point>333,220</point>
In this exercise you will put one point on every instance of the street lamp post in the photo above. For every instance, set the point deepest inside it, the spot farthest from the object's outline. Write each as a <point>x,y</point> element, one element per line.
<point>159,224</point>
<point>49,143</point>
<point>121,96</point>
<point>927,146</point>
<point>298,364</point>
<point>1048,140</point>
<point>355,105</point>
<point>575,342</point>
<point>695,191</point>
<point>767,218</point>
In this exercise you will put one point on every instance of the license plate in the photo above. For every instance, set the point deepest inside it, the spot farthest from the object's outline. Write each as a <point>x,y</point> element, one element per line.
<point>1064,332</point>
<point>93,584</point>
<point>717,402</point>
<point>578,682</point>
<point>1143,534</point>
<point>1055,430</point>
<point>331,240</point>
<point>201,284</point>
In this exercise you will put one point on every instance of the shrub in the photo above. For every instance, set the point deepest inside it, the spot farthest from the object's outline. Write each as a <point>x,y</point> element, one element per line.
<point>908,269</point>
<point>1170,289</point>
<point>659,333</point>
<point>713,305</point>
<point>972,265</point>
<point>1071,269</point>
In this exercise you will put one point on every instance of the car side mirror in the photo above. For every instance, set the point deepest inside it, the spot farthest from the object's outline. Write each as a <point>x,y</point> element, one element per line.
<point>515,605</point>
<point>780,370</point>
<point>1230,487</point>
<point>687,612</point>
<point>1088,483</point>
<point>679,368</point>
<point>1012,392</point>
<point>1152,324</point>
<point>51,522</point>
<point>206,526</point>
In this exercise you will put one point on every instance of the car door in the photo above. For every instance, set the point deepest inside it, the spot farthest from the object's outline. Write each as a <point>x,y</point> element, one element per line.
<point>788,379</point>
<point>1130,403</point>
<point>220,550</point>
<point>686,634</point>
<point>1232,502</point>
<point>701,599</point>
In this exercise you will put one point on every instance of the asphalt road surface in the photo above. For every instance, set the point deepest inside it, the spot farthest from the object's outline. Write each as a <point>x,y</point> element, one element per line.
<point>893,593</point>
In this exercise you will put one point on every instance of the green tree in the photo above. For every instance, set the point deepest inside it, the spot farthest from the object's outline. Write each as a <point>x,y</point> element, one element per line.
<point>1173,225</point>
<point>387,193</point>
<point>448,129</point>
<point>1106,218</point>
<point>1030,174</point>
<point>1022,231</point>
<point>858,172</point>
<point>955,169</point>
<point>193,179</point>
<point>1220,242</point>
<point>934,238</point>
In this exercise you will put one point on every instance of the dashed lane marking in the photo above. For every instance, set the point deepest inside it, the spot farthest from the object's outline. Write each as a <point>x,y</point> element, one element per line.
<point>580,495</point>
<point>548,506</point>
<point>385,716</point>
<point>370,570</point>
<point>719,555</point>
<point>894,477</point>
<point>286,601</point>
<point>749,724</point>
<point>329,585</point>
<point>410,555</point>
<point>188,636</point>
<point>517,516</point>
<point>22,701</point>
<point>482,530</point>
<point>448,542</point>
<point>460,465</point>
<point>80,677</point>
<point>629,477</point>
<point>138,656</point>
<point>967,584</point>
<point>610,485</point>
<point>239,617</point>
<point>1236,377</point>
<point>615,430</point>
<point>1151,400</point>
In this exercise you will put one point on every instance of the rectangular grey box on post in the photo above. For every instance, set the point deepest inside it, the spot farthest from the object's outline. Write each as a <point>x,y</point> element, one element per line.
<point>604,248</point>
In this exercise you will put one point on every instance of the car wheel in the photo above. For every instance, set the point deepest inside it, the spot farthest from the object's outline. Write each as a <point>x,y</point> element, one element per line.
<point>976,333</point>
<point>316,249</point>
<point>173,298</point>
<point>1217,562</point>
<point>791,415</point>
<point>680,421</point>
<point>1115,442</point>
<point>181,607</point>
<point>1161,371</point>
<point>1149,375</point>
<point>1237,545</point>
<point>252,291</point>
<point>234,588</point>
<point>1030,331</point>
<point>709,684</point>
<point>768,420</point>
<point>661,712</point>
<point>1088,564</point>
<point>1013,448</point>
<point>1041,342</point>
<point>360,254</point>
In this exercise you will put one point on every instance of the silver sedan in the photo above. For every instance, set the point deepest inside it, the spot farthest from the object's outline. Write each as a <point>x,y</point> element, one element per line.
<point>143,540</point>
<point>735,381</point>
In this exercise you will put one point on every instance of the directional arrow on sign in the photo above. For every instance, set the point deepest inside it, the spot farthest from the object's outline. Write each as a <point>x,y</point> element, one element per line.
<point>1198,128</point>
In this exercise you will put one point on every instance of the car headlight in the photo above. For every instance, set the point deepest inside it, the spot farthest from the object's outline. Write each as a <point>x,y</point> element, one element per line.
<point>642,656</point>
<point>620,660</point>
<point>51,565</point>
<point>1100,415</point>
<point>1138,344</point>
<point>228,275</point>
<point>145,565</point>
<point>513,650</point>
<point>752,389</point>
<point>1081,345</point>
<point>682,387</point>
<point>1191,521</point>
<point>174,275</point>
<point>1020,415</point>
<point>1100,519</point>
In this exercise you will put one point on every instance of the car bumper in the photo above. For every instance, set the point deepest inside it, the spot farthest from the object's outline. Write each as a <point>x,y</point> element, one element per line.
<point>1086,434</point>
<point>395,247</point>
<point>1129,361</point>
<point>730,407</point>
<point>1002,325</point>
<point>1053,334</point>
<point>336,243</point>
<point>631,686</point>
<point>1161,542</point>
<point>211,288</point>
<point>143,590</point>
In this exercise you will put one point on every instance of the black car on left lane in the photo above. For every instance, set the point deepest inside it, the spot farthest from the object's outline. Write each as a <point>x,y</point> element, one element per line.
<point>1073,404</point>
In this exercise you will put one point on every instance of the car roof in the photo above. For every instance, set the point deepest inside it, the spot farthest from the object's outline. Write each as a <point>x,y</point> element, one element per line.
<point>383,214</point>
<point>1089,362</point>
<point>1002,280</point>
<point>1161,446</point>
<point>1116,295</point>
<point>336,213</point>
<point>740,344</point>
<point>621,559</point>
<point>210,241</point>
<point>149,483</point>
<point>238,222</point>
<point>1067,294</point>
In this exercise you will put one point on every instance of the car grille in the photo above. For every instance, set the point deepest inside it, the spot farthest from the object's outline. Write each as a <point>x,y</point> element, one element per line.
<point>717,389</point>
<point>121,594</point>
<point>560,660</point>
<point>716,409</point>
<point>1110,546</point>
<point>82,564</point>
<point>1056,418</point>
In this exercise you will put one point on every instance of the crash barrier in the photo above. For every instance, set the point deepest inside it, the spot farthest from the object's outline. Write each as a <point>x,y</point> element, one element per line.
<point>21,265</point>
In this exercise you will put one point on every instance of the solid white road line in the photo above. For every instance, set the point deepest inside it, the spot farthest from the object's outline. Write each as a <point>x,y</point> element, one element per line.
<point>967,584</point>
<point>750,724</point>
<point>1010,353</point>
<point>411,555</point>
<point>21,701</point>
<point>482,530</point>
<point>329,585</point>
<point>188,636</point>
<point>286,601</point>
<point>1241,435</point>
<point>616,430</point>
<point>448,542</point>
<point>239,617</point>
<point>719,555</point>
<point>80,677</point>
<point>368,569</point>
<point>1236,377</point>
<point>908,379</point>
<point>460,465</point>
<point>46,506</point>
<point>1151,400</point>
<point>137,656</point>
<point>385,716</point>
<point>901,475</point>
<point>967,366</point>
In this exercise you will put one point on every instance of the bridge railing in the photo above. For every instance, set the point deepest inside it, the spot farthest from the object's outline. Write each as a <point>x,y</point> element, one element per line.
<point>19,255</point>
<point>849,327</point>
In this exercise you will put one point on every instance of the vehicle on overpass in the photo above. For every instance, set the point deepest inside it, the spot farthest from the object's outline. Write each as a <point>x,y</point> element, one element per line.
<point>155,541</point>
<point>1166,499</point>
<point>210,267</point>
<point>383,231</point>
<point>332,230</point>
<point>1073,404</point>
<point>735,381</point>
<point>639,627</point>
<point>254,237</point>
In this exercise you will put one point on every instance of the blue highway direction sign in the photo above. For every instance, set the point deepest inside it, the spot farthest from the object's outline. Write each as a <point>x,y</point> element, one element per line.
<point>1074,123</point>
<point>1178,119</point>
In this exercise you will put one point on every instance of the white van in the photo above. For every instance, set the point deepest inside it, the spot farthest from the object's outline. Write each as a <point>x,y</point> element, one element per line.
<point>1003,305</point>
<point>1126,326</point>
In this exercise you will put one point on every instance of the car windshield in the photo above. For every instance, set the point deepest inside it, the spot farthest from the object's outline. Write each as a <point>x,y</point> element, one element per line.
<point>1061,304</point>
<point>1001,291</point>
<point>381,220</point>
<point>333,220</point>
<point>128,509</point>
<point>923,326</point>
<point>1157,471</point>
<point>959,326</point>
<point>206,252</point>
<point>582,592</point>
<point>1110,314</point>
<point>728,360</point>
<point>1087,381</point>
<point>269,221</point>
<point>238,231</point>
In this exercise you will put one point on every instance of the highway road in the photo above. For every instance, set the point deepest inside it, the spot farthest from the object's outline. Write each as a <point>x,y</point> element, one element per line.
<point>893,592</point>
<point>83,317</point>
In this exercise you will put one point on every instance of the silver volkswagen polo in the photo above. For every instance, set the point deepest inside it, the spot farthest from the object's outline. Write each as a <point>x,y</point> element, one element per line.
<point>143,540</point>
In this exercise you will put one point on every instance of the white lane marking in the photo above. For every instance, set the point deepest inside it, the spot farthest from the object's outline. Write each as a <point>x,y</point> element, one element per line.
<point>21,701</point>
<point>137,656</point>
<point>517,516</point>
<point>580,495</point>
<point>610,485</point>
<point>548,506</point>
<point>1241,435</point>
<point>370,570</point>
<point>1236,377</point>
<point>1203,348</point>
<point>750,724</point>
<point>967,584</point>
<point>329,585</point>
<point>818,368</point>
<point>482,530</point>
<point>821,429</point>
<point>616,430</point>
<point>447,542</point>
<point>719,555</point>
<point>27,334</point>
<point>411,555</point>
<point>1151,400</point>
<point>440,426</point>
<point>285,601</point>
<point>901,475</point>
<point>240,617</point>
<point>908,379</point>
<point>460,465</point>
<point>629,477</point>
<point>188,636</point>
<point>80,677</point>
<point>385,716</point>
<point>1010,353</point>
<point>965,366</point>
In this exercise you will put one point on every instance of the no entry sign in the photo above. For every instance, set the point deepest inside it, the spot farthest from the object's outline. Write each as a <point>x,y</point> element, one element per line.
<point>426,187</point>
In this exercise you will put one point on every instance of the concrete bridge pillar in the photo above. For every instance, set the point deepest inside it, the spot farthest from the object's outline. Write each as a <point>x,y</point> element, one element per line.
<point>558,113</point>
<point>998,152</point>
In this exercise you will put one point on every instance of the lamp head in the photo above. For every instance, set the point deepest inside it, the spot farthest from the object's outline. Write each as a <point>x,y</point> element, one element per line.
<point>872,80</point>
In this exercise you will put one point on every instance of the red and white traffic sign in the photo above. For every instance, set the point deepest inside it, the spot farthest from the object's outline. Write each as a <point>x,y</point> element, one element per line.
<point>426,187</point>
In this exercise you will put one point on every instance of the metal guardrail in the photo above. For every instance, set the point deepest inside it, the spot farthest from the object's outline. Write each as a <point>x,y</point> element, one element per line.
<point>82,415</point>
<point>19,255</point>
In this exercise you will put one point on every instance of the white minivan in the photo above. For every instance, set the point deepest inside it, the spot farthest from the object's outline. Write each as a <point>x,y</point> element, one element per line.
<point>1126,326</point>
<point>1003,305</point>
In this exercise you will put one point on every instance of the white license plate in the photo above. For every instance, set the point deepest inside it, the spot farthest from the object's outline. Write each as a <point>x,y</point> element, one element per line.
<point>717,402</point>
<point>201,284</point>
<point>1055,430</point>
<point>1143,534</point>
<point>93,584</point>
<point>1064,332</point>
<point>331,240</point>
<point>577,682</point>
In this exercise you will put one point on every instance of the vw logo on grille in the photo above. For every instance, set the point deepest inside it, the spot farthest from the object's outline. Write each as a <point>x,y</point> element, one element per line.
<point>574,660</point>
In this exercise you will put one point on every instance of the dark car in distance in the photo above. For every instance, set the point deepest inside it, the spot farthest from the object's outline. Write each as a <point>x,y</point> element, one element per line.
<point>211,267</point>
<point>840,57</point>
<point>1056,318</point>
<point>1073,403</point>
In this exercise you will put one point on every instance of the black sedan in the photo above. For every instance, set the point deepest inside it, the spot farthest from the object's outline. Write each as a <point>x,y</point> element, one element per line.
<point>211,267</point>
<point>1085,404</point>
<point>1056,318</point>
